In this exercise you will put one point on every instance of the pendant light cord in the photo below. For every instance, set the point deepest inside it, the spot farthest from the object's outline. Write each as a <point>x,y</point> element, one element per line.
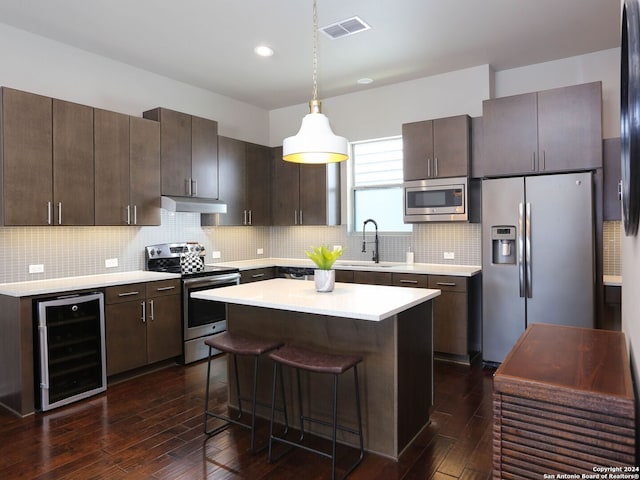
<point>315,50</point>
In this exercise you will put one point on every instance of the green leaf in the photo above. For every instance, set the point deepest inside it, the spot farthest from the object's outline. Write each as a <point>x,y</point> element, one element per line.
<point>323,257</point>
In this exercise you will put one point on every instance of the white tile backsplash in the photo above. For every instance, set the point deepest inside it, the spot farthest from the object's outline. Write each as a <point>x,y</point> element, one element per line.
<point>71,251</point>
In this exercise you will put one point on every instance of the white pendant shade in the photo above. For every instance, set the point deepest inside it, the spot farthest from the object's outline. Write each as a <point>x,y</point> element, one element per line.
<point>315,142</point>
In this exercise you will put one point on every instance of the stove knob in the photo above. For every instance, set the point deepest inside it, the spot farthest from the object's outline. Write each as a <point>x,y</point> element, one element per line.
<point>158,251</point>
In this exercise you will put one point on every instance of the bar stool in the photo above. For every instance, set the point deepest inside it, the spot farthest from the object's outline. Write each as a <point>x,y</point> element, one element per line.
<point>236,344</point>
<point>325,363</point>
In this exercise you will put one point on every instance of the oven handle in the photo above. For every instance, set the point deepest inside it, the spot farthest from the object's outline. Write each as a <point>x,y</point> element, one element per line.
<point>213,280</point>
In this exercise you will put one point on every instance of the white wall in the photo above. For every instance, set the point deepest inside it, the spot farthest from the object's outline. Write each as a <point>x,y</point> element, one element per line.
<point>380,112</point>
<point>35,64</point>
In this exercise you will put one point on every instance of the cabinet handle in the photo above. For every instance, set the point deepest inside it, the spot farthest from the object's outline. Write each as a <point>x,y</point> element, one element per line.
<point>135,214</point>
<point>244,217</point>
<point>194,188</point>
<point>127,294</point>
<point>544,156</point>
<point>144,312</point>
<point>301,217</point>
<point>151,305</point>
<point>409,281</point>
<point>187,186</point>
<point>428,167</point>
<point>49,213</point>
<point>435,164</point>
<point>59,213</point>
<point>257,275</point>
<point>128,214</point>
<point>295,217</point>
<point>533,162</point>
<point>164,289</point>
<point>250,219</point>
<point>446,284</point>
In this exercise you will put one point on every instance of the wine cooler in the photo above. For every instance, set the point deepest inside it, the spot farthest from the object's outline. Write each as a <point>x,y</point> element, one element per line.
<point>71,349</point>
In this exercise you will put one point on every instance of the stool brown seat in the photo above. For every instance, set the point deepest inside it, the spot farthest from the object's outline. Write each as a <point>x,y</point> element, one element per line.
<point>301,358</point>
<point>236,344</point>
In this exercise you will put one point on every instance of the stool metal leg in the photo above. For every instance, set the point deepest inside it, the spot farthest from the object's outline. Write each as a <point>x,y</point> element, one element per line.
<point>253,407</point>
<point>235,370</point>
<point>300,405</point>
<point>335,427</point>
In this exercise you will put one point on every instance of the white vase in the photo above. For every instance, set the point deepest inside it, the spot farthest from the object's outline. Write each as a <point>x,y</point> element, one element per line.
<point>325,280</point>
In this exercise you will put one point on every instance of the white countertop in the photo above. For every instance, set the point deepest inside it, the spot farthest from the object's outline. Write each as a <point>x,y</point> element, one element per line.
<point>397,267</point>
<point>612,280</point>
<point>349,300</point>
<point>67,284</point>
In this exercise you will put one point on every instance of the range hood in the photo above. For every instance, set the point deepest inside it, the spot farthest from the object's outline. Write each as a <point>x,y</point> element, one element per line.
<point>193,204</point>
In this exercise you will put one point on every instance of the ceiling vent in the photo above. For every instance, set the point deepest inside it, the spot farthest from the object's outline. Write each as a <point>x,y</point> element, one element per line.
<point>345,27</point>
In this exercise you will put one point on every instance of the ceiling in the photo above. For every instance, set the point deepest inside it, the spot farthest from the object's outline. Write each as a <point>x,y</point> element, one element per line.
<point>209,43</point>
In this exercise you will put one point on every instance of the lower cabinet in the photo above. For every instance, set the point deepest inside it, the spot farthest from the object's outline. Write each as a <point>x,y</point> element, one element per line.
<point>257,274</point>
<point>457,334</point>
<point>143,324</point>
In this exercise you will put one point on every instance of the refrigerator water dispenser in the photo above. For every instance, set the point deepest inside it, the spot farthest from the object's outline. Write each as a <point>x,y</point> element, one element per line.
<point>503,241</point>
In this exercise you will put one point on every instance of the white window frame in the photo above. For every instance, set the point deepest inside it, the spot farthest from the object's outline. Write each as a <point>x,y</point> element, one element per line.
<point>352,191</point>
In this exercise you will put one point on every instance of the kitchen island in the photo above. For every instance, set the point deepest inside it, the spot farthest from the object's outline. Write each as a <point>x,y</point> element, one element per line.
<point>391,327</point>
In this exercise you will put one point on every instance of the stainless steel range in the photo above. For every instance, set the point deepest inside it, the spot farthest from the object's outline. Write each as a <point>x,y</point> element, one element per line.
<point>200,318</point>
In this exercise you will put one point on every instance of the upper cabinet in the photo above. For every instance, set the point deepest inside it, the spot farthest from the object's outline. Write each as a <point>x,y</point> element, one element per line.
<point>305,194</point>
<point>188,153</point>
<point>245,184</point>
<point>549,131</point>
<point>47,161</point>
<point>436,148</point>
<point>612,187</point>
<point>127,169</point>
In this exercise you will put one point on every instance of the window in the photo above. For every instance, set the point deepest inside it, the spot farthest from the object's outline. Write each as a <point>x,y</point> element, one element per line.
<point>376,184</point>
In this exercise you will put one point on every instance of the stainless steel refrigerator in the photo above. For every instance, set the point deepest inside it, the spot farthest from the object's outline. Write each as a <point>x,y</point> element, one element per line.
<point>537,256</point>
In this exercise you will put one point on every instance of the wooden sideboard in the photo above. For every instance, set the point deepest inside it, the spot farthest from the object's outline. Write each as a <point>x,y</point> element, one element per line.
<point>563,403</point>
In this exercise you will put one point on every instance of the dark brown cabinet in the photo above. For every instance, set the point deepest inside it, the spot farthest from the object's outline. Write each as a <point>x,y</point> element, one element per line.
<point>143,324</point>
<point>47,161</point>
<point>188,153</point>
<point>611,182</point>
<point>436,148</point>
<point>257,274</point>
<point>245,184</point>
<point>305,194</point>
<point>549,131</point>
<point>372,278</point>
<point>127,169</point>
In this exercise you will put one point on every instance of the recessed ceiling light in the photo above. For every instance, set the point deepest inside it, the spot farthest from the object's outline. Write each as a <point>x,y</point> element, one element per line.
<point>263,51</point>
<point>365,81</point>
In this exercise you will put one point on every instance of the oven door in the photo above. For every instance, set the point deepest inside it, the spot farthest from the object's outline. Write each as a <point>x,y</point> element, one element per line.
<point>203,317</point>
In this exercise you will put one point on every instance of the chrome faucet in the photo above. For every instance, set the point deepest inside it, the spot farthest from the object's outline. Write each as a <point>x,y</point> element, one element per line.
<point>376,257</point>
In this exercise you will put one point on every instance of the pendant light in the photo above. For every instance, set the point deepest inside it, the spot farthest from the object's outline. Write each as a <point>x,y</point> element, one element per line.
<point>315,142</point>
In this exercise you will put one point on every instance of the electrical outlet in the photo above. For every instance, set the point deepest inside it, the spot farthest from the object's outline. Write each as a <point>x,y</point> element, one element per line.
<point>111,263</point>
<point>337,247</point>
<point>216,254</point>
<point>36,268</point>
<point>449,255</point>
<point>260,251</point>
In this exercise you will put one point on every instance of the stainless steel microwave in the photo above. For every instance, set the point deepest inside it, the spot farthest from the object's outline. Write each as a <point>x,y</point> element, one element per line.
<point>436,200</point>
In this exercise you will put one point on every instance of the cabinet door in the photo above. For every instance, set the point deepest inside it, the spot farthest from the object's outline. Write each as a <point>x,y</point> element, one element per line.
<point>510,127</point>
<point>286,188</point>
<point>313,194</point>
<point>259,167</point>
<point>175,150</point>
<point>451,146</point>
<point>73,175</point>
<point>111,150</point>
<point>257,274</point>
<point>204,157</point>
<point>126,336</point>
<point>372,278</point>
<point>144,171</point>
<point>570,128</point>
<point>233,188</point>
<point>164,328</point>
<point>417,149</point>
<point>450,314</point>
<point>611,198</point>
<point>27,162</point>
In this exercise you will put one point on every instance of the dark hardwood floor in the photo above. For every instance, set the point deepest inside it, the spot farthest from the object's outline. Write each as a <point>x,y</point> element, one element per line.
<point>150,427</point>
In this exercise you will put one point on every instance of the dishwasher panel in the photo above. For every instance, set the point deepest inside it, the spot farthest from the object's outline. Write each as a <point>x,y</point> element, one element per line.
<point>70,348</point>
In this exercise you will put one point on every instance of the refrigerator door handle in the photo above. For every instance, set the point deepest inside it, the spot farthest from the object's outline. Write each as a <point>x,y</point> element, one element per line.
<point>521,248</point>
<point>527,249</point>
